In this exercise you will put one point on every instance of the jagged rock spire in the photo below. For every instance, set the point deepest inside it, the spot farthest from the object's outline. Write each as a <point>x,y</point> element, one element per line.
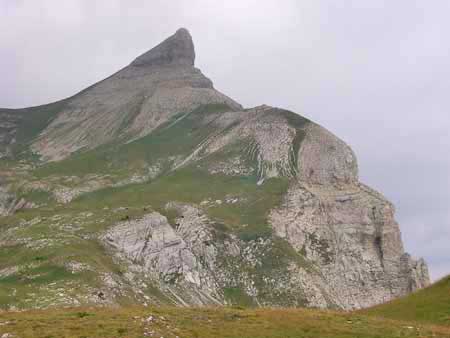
<point>175,50</point>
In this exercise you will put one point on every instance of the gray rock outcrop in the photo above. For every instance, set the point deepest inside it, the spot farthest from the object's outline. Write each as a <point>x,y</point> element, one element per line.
<point>166,254</point>
<point>349,233</point>
<point>176,50</point>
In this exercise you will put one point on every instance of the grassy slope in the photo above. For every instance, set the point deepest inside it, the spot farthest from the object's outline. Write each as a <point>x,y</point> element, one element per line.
<point>32,121</point>
<point>131,322</point>
<point>177,137</point>
<point>429,305</point>
<point>189,185</point>
<point>423,314</point>
<point>46,262</point>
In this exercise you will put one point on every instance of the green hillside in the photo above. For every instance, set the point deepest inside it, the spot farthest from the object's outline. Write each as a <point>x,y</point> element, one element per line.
<point>429,305</point>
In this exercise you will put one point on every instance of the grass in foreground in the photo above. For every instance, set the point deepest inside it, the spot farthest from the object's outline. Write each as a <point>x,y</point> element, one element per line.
<point>207,322</point>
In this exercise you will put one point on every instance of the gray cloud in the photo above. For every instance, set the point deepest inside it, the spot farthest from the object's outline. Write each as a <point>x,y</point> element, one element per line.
<point>375,73</point>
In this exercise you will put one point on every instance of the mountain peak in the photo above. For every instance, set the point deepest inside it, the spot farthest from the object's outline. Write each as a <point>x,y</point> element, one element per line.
<point>175,50</point>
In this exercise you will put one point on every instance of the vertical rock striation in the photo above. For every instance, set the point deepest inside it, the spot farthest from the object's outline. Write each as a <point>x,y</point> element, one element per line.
<point>346,229</point>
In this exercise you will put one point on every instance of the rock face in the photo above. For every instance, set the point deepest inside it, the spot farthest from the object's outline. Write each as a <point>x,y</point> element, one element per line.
<point>176,194</point>
<point>349,233</point>
<point>176,50</point>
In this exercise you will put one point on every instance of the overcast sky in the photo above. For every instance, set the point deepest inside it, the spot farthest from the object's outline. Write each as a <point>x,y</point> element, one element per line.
<point>376,73</point>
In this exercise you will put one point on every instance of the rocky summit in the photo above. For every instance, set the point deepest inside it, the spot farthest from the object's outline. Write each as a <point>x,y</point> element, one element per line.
<point>151,187</point>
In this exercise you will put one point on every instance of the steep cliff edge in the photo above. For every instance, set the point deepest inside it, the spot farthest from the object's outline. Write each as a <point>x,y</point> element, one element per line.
<point>152,187</point>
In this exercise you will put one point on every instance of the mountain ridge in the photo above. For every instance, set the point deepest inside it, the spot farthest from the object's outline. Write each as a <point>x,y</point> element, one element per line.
<point>152,187</point>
